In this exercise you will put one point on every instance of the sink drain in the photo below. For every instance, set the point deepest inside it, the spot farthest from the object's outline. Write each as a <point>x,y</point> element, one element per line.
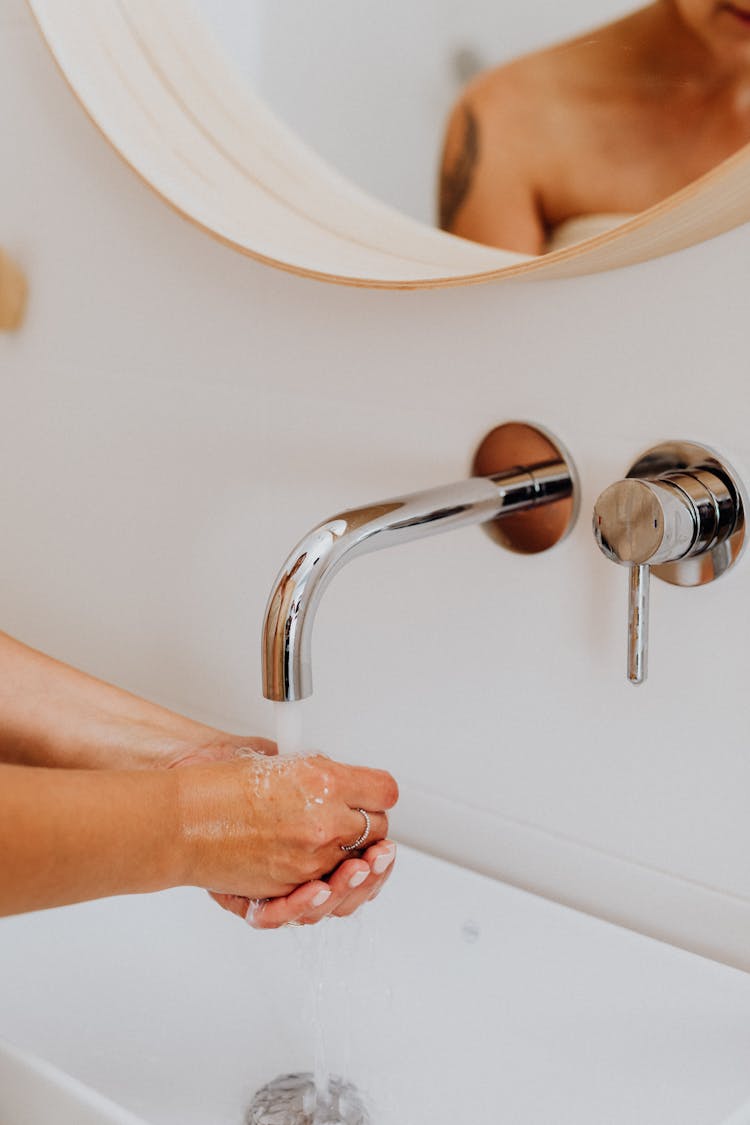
<point>293,1100</point>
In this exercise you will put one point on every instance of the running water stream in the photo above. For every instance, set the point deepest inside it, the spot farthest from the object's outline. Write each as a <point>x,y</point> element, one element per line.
<point>317,1098</point>
<point>288,719</point>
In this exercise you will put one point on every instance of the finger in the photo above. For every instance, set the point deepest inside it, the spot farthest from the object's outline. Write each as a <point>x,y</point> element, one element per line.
<point>354,882</point>
<point>348,875</point>
<point>269,914</point>
<point>235,904</point>
<point>369,891</point>
<point>377,889</point>
<point>380,857</point>
<point>363,788</point>
<point>380,861</point>
<point>359,890</point>
<point>352,825</point>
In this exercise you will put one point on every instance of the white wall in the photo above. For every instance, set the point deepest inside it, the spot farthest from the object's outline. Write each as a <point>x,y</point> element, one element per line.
<point>174,416</point>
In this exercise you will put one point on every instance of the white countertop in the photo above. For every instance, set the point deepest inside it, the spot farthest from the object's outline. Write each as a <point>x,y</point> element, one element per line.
<point>452,1000</point>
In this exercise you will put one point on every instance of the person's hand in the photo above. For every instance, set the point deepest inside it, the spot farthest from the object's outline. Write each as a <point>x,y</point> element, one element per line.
<point>204,744</point>
<point>353,883</point>
<point>272,828</point>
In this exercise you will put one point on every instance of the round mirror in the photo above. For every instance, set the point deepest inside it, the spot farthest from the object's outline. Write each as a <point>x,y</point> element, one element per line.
<point>371,86</point>
<point>336,139</point>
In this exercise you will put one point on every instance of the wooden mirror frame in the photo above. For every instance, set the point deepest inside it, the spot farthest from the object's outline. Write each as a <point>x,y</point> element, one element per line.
<point>152,79</point>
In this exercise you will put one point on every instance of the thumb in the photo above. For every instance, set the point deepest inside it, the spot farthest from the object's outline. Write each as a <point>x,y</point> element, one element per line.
<point>243,747</point>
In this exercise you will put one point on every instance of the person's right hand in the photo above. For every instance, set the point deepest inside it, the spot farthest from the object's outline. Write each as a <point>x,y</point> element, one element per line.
<point>260,827</point>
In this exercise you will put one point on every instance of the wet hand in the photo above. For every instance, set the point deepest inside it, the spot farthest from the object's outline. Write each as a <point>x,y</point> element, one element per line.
<point>262,827</point>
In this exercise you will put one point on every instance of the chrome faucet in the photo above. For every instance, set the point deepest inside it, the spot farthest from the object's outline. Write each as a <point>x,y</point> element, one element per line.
<point>287,673</point>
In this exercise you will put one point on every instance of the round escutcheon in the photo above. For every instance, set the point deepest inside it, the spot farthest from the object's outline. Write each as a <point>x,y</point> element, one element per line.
<point>513,445</point>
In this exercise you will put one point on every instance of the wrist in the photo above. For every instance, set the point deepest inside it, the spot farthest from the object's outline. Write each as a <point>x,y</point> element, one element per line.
<point>160,740</point>
<point>199,822</point>
<point>162,795</point>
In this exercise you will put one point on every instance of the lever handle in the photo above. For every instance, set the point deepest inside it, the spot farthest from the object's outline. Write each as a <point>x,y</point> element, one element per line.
<point>641,523</point>
<point>639,587</point>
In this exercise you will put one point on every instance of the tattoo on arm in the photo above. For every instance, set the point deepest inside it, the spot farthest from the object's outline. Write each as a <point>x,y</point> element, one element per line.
<point>456,176</point>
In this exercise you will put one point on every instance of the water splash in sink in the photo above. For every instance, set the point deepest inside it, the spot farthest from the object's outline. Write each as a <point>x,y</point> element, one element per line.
<point>293,1099</point>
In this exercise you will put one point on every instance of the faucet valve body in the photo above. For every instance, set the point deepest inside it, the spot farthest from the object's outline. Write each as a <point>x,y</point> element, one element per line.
<point>680,512</point>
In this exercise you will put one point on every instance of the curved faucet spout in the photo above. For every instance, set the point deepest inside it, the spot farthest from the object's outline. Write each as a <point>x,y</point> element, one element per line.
<point>287,630</point>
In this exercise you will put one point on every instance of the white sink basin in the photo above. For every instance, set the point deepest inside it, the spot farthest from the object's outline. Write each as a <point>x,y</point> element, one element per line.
<point>33,1092</point>
<point>455,1000</point>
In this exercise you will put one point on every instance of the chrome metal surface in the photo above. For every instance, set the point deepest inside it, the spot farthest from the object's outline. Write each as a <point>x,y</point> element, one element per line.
<point>638,599</point>
<point>537,528</point>
<point>680,514</point>
<point>287,629</point>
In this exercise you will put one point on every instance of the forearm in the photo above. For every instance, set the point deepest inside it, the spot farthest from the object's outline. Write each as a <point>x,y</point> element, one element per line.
<point>71,835</point>
<point>54,715</point>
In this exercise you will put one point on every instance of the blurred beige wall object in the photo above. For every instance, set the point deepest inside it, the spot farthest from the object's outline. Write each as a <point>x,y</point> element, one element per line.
<point>13,292</point>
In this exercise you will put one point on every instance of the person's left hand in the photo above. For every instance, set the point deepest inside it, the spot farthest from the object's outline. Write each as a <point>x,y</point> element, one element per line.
<point>349,886</point>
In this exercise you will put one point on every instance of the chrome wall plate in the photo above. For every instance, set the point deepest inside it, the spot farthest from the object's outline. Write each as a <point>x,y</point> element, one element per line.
<point>524,443</point>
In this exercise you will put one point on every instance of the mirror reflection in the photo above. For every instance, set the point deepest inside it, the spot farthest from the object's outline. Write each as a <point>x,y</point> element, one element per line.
<point>520,126</point>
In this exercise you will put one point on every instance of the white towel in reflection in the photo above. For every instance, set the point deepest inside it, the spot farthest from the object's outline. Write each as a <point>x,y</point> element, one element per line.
<point>582,227</point>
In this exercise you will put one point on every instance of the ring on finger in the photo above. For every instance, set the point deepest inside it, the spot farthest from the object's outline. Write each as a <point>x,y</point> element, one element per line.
<point>363,836</point>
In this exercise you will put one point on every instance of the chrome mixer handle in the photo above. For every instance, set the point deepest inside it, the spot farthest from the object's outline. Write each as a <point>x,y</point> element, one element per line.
<point>680,513</point>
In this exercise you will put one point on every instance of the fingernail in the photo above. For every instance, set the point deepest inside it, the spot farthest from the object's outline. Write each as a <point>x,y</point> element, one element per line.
<point>358,878</point>
<point>384,861</point>
<point>322,896</point>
